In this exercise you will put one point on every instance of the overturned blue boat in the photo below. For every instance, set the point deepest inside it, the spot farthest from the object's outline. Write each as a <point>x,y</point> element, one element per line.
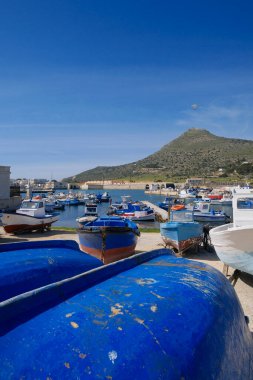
<point>29,265</point>
<point>150,316</point>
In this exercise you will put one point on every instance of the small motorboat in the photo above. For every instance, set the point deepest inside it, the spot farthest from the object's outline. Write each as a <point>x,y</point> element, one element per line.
<point>30,216</point>
<point>177,207</point>
<point>168,201</point>
<point>233,242</point>
<point>105,197</point>
<point>90,214</point>
<point>136,211</point>
<point>181,232</point>
<point>203,212</point>
<point>108,238</point>
<point>150,316</point>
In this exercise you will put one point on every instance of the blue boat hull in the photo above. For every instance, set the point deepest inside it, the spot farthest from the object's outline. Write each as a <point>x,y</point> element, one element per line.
<point>181,236</point>
<point>108,245</point>
<point>109,238</point>
<point>151,316</point>
<point>209,217</point>
<point>30,265</point>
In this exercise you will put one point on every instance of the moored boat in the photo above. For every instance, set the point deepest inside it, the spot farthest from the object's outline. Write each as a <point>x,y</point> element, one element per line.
<point>203,212</point>
<point>136,211</point>
<point>151,316</point>
<point>105,197</point>
<point>108,238</point>
<point>233,242</point>
<point>90,214</point>
<point>168,201</point>
<point>181,232</point>
<point>226,200</point>
<point>29,217</point>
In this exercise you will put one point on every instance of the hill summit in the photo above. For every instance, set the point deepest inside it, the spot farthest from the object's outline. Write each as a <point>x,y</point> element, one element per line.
<point>197,152</point>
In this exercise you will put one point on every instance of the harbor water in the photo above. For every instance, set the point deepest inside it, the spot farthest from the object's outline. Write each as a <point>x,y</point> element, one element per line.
<point>68,216</point>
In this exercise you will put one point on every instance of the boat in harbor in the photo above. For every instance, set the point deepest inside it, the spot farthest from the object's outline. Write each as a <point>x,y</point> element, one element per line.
<point>30,265</point>
<point>90,214</point>
<point>135,211</point>
<point>181,232</point>
<point>150,316</point>
<point>233,242</point>
<point>203,212</point>
<point>167,202</point>
<point>30,216</point>
<point>226,200</point>
<point>108,238</point>
<point>105,197</point>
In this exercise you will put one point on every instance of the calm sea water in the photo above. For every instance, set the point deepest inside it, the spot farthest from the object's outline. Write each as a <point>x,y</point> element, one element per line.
<point>67,217</point>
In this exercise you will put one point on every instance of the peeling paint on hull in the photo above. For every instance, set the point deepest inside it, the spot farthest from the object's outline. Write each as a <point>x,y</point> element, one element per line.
<point>151,316</point>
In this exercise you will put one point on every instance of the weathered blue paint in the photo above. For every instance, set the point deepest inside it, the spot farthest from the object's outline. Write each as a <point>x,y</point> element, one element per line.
<point>109,238</point>
<point>30,265</point>
<point>151,316</point>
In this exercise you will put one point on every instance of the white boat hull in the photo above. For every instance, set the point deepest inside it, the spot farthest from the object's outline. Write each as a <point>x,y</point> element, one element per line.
<point>18,222</point>
<point>140,217</point>
<point>234,246</point>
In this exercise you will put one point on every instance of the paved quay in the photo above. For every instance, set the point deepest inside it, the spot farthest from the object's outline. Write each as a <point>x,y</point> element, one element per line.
<point>148,242</point>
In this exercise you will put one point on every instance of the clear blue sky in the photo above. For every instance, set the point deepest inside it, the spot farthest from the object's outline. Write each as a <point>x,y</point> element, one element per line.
<point>93,82</point>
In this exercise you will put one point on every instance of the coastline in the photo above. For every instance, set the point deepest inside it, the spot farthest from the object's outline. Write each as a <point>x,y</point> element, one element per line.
<point>147,242</point>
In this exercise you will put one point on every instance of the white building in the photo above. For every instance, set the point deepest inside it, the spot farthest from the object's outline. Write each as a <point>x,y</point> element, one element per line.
<point>6,201</point>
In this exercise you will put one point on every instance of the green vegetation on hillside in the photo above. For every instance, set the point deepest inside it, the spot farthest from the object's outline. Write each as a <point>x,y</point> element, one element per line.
<point>196,152</point>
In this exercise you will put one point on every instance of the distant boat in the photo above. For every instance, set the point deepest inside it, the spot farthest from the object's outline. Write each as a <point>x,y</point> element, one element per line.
<point>70,199</point>
<point>181,232</point>
<point>108,238</point>
<point>202,212</point>
<point>136,211</point>
<point>233,242</point>
<point>90,214</point>
<point>168,201</point>
<point>105,197</point>
<point>51,203</point>
<point>215,196</point>
<point>150,316</point>
<point>187,193</point>
<point>91,209</point>
<point>226,200</point>
<point>30,216</point>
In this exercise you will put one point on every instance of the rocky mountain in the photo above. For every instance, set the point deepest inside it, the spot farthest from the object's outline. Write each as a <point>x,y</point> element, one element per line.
<point>197,152</point>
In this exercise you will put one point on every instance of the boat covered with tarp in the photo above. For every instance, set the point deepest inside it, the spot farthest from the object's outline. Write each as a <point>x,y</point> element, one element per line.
<point>150,316</point>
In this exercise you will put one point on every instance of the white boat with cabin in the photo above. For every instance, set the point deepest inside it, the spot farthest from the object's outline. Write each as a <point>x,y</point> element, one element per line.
<point>203,212</point>
<point>30,216</point>
<point>233,242</point>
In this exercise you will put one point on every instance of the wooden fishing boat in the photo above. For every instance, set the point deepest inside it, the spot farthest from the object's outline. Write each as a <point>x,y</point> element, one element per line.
<point>29,217</point>
<point>108,238</point>
<point>151,316</point>
<point>181,232</point>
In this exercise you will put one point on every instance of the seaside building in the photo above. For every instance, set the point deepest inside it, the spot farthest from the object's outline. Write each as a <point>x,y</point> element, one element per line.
<point>7,201</point>
<point>55,185</point>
